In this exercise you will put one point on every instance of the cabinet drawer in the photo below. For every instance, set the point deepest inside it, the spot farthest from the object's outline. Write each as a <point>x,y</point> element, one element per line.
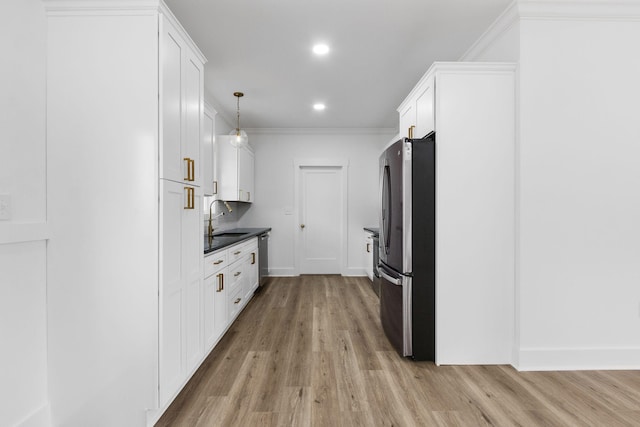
<point>235,302</point>
<point>235,277</point>
<point>240,250</point>
<point>215,262</point>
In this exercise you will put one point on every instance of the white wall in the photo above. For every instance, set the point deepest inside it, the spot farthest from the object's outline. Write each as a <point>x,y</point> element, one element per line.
<point>274,187</point>
<point>23,359</point>
<point>577,232</point>
<point>579,194</point>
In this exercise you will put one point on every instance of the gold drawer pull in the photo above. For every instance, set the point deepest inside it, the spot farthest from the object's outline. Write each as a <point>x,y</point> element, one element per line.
<point>253,258</point>
<point>237,274</point>
<point>220,261</point>
<point>237,252</point>
<point>237,301</point>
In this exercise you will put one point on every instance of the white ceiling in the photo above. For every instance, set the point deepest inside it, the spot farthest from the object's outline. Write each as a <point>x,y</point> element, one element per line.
<point>379,50</point>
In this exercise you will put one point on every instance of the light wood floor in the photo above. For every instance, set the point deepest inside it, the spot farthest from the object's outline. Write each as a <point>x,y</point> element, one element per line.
<point>310,351</point>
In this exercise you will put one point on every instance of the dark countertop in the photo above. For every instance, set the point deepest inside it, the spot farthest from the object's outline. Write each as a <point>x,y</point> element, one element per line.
<point>220,241</point>
<point>374,230</point>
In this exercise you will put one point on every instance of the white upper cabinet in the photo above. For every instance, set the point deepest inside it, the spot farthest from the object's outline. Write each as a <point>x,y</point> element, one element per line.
<point>209,159</point>
<point>235,164</point>
<point>416,113</point>
<point>181,104</point>
<point>245,175</point>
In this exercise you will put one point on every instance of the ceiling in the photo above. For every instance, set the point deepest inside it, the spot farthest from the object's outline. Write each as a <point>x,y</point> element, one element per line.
<point>379,50</point>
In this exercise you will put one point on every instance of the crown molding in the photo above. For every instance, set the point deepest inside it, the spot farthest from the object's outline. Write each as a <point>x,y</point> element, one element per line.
<point>320,131</point>
<point>596,10</point>
<point>501,25</point>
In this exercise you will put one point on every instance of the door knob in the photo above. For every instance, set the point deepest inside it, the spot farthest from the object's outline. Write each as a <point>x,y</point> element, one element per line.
<point>301,225</point>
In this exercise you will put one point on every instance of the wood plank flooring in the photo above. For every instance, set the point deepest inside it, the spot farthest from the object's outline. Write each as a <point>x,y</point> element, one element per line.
<point>310,351</point>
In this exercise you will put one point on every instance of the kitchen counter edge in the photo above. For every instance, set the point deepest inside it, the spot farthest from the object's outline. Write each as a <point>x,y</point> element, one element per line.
<point>250,233</point>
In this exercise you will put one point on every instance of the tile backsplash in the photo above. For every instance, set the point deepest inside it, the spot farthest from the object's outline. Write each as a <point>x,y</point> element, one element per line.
<point>229,220</point>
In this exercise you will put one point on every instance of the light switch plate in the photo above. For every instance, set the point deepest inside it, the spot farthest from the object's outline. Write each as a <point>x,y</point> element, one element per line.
<point>5,207</point>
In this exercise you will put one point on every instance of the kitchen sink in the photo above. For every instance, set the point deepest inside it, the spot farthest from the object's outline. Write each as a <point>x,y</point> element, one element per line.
<point>228,235</point>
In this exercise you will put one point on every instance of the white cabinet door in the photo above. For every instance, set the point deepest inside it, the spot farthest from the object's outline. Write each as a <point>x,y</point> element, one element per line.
<point>209,184</point>
<point>172,293</point>
<point>181,249</point>
<point>181,105</point>
<point>215,308</point>
<point>193,106</point>
<point>245,175</point>
<point>251,271</point>
<point>424,106</point>
<point>227,154</point>
<point>172,52</point>
<point>192,249</point>
<point>368,254</point>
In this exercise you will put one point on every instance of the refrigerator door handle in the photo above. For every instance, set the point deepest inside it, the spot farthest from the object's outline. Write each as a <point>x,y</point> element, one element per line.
<point>394,280</point>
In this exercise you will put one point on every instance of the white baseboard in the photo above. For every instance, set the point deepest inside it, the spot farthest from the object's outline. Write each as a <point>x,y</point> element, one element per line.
<point>350,272</point>
<point>282,272</point>
<point>40,418</point>
<point>570,359</point>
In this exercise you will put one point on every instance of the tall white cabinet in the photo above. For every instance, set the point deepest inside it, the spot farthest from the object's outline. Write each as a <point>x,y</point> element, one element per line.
<point>471,107</point>
<point>124,203</point>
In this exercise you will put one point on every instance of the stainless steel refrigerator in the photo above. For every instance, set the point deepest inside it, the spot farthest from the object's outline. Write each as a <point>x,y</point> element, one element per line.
<point>407,246</point>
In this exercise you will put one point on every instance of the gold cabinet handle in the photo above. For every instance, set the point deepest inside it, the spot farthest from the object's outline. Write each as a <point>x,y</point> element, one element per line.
<point>220,282</point>
<point>301,225</point>
<point>253,258</point>
<point>237,301</point>
<point>237,252</point>
<point>237,274</point>
<point>411,131</point>
<point>188,160</point>
<point>220,261</point>
<point>215,187</point>
<point>191,166</point>
<point>190,197</point>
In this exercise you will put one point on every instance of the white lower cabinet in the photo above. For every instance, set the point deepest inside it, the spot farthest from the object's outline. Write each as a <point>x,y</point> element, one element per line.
<point>368,254</point>
<point>181,346</point>
<point>231,278</point>
<point>215,298</point>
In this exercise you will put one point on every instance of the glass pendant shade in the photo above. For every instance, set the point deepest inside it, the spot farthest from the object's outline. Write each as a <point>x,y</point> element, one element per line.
<point>241,137</point>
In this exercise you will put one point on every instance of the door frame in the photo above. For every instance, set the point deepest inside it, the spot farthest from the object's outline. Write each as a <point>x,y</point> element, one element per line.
<point>343,166</point>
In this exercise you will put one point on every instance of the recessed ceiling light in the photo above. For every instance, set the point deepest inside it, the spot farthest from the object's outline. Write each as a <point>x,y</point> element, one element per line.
<point>321,49</point>
<point>319,107</point>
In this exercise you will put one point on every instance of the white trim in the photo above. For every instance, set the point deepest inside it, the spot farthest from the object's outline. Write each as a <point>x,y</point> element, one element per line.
<point>343,164</point>
<point>354,272</point>
<point>23,232</point>
<point>501,25</point>
<point>321,131</point>
<point>41,417</point>
<point>600,10</point>
<point>570,359</point>
<point>454,67</point>
<point>281,272</point>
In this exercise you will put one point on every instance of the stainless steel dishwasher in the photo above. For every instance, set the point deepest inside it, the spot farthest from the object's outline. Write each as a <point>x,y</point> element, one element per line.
<point>263,259</point>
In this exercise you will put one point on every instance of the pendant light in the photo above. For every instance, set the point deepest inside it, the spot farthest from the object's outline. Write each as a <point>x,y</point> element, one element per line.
<point>241,136</point>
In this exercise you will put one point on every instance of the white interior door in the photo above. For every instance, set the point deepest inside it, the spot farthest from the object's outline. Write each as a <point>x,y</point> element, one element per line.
<point>320,219</point>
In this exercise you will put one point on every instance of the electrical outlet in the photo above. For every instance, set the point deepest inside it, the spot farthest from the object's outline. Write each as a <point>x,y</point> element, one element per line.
<point>5,207</point>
